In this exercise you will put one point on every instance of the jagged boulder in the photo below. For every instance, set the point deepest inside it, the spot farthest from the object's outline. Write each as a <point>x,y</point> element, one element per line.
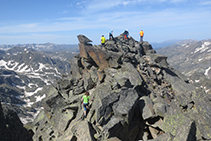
<point>186,132</point>
<point>76,68</point>
<point>202,114</point>
<point>165,137</point>
<point>160,106</point>
<point>128,71</point>
<point>102,58</point>
<point>146,107</point>
<point>83,39</point>
<point>156,60</point>
<point>147,48</point>
<point>88,81</point>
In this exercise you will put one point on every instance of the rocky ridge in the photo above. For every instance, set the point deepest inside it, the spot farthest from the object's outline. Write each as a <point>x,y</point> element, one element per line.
<point>137,96</point>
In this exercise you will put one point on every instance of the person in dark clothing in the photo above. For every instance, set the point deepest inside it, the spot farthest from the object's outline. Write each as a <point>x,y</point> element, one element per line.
<point>125,34</point>
<point>111,37</point>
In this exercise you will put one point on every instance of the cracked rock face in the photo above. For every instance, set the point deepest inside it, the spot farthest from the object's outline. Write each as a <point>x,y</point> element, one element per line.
<point>136,96</point>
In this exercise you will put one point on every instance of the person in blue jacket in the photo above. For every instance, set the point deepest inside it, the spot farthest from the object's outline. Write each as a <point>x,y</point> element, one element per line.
<point>111,37</point>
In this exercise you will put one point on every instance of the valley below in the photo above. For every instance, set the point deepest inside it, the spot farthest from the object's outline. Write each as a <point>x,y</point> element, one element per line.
<point>26,71</point>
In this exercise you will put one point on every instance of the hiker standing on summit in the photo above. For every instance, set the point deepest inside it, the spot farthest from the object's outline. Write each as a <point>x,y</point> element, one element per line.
<point>111,37</point>
<point>125,34</point>
<point>141,35</point>
<point>103,41</point>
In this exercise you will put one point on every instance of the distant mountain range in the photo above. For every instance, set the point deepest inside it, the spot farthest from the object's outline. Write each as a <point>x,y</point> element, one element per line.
<point>27,70</point>
<point>171,42</point>
<point>45,47</point>
<point>192,59</point>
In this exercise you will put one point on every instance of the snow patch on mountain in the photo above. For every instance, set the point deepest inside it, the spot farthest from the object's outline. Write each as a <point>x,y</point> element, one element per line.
<point>200,59</point>
<point>207,90</point>
<point>185,45</point>
<point>190,72</point>
<point>12,65</point>
<point>23,68</point>
<point>203,48</point>
<point>27,94</point>
<point>29,119</point>
<point>207,43</point>
<point>207,71</point>
<point>39,98</point>
<point>21,87</point>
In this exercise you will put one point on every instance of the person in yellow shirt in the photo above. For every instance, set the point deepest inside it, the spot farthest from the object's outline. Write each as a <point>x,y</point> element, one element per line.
<point>103,41</point>
<point>141,35</point>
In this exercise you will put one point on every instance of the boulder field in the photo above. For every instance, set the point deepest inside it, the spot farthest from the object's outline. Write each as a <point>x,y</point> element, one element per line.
<point>136,96</point>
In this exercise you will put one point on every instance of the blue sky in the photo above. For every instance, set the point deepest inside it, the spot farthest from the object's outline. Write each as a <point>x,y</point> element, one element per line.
<point>60,21</point>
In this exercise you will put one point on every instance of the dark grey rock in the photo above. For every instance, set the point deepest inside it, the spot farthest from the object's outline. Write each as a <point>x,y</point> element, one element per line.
<point>177,83</point>
<point>128,71</point>
<point>125,107</point>
<point>76,68</point>
<point>203,116</point>
<point>146,107</point>
<point>165,137</point>
<point>124,82</point>
<point>187,132</point>
<point>160,109</point>
<point>103,100</point>
<point>88,82</point>
<point>173,120</point>
<point>11,127</point>
<point>146,47</point>
<point>78,90</point>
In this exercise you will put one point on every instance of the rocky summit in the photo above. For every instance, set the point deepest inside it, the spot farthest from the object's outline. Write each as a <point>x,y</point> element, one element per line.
<point>135,96</point>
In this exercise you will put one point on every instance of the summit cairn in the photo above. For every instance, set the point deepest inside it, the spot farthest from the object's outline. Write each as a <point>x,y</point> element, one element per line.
<point>137,96</point>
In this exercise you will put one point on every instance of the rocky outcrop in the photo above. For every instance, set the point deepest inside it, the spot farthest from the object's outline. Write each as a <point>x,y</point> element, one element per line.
<point>136,96</point>
<point>11,128</point>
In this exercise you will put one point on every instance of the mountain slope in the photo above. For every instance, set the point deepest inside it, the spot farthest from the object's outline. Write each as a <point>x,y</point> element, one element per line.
<point>25,74</point>
<point>11,128</point>
<point>193,60</point>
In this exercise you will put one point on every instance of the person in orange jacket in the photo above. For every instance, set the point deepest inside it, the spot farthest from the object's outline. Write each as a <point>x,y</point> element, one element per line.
<point>141,35</point>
